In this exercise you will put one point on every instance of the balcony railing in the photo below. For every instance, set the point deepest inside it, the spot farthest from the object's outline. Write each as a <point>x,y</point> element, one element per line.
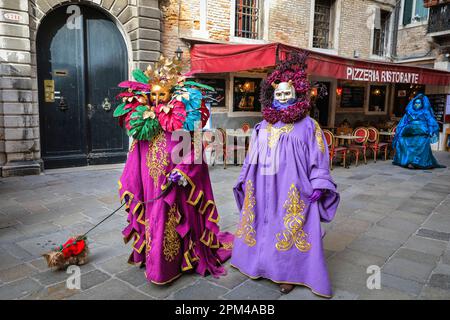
<point>439,19</point>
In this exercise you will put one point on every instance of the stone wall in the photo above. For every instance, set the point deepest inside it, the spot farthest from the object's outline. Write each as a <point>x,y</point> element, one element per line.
<point>412,42</point>
<point>140,21</point>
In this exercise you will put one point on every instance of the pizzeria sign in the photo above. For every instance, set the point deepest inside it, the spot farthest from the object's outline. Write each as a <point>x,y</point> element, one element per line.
<point>373,75</point>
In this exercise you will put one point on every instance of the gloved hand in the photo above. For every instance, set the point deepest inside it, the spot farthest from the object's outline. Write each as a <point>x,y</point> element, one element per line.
<point>178,178</point>
<point>175,176</point>
<point>315,195</point>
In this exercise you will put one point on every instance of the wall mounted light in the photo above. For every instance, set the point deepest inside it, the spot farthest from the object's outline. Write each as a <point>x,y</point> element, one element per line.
<point>179,53</point>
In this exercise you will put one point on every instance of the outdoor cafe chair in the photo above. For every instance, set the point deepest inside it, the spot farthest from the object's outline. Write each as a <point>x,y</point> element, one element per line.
<point>360,144</point>
<point>374,143</point>
<point>333,150</point>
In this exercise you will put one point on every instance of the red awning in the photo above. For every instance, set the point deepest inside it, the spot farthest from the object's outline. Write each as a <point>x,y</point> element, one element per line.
<point>218,58</point>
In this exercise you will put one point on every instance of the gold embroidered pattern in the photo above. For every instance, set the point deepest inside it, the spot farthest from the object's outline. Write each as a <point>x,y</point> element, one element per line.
<point>171,242</point>
<point>293,221</point>
<point>157,157</point>
<point>245,228</point>
<point>133,145</point>
<point>227,245</point>
<point>319,138</point>
<point>148,239</point>
<point>275,133</point>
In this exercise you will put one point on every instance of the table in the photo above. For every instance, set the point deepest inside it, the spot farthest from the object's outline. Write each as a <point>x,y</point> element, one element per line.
<point>239,134</point>
<point>346,137</point>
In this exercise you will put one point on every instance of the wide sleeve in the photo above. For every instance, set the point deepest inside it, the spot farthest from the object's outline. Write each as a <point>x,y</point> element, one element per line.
<point>238,189</point>
<point>319,172</point>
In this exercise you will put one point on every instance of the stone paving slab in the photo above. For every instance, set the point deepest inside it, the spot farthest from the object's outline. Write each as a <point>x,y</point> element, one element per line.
<point>390,217</point>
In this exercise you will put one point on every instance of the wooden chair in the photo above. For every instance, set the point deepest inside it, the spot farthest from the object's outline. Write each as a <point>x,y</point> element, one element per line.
<point>333,149</point>
<point>374,143</point>
<point>344,130</point>
<point>391,140</point>
<point>360,144</point>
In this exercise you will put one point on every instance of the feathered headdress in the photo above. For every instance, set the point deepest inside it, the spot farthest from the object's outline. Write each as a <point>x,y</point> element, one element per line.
<point>292,70</point>
<point>185,109</point>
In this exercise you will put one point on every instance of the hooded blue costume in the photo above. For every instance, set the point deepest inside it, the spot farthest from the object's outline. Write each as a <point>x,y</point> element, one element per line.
<point>416,130</point>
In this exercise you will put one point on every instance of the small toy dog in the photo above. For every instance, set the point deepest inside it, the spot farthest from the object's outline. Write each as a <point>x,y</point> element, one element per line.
<point>74,251</point>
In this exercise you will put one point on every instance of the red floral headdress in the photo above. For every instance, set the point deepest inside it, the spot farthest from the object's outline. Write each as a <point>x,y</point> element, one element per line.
<point>292,69</point>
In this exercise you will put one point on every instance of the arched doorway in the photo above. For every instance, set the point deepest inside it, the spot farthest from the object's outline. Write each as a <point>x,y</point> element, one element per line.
<point>80,61</point>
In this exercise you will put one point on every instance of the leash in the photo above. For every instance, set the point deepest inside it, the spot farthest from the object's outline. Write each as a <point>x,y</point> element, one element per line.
<point>121,206</point>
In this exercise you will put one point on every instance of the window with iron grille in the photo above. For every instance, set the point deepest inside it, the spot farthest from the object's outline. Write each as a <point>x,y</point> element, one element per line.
<point>322,24</point>
<point>247,19</point>
<point>380,32</point>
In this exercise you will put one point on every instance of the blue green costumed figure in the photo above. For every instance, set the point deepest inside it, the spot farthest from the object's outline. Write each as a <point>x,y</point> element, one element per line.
<point>415,132</point>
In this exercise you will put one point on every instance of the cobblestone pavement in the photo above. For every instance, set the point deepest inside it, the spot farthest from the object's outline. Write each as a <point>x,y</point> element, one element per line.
<point>395,218</point>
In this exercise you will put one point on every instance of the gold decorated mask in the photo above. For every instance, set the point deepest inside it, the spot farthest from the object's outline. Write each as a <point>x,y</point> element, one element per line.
<point>163,75</point>
<point>159,94</point>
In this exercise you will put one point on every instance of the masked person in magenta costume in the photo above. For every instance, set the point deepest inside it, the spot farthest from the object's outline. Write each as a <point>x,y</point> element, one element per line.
<point>285,190</point>
<point>415,131</point>
<point>179,231</point>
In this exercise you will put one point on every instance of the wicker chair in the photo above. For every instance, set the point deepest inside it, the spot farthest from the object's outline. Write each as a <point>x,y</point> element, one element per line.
<point>360,145</point>
<point>333,149</point>
<point>374,143</point>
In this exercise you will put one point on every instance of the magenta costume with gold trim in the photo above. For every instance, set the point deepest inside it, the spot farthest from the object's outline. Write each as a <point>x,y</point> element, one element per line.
<point>178,232</point>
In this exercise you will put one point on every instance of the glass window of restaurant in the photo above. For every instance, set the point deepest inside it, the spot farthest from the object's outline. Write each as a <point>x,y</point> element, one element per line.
<point>377,95</point>
<point>217,99</point>
<point>246,94</point>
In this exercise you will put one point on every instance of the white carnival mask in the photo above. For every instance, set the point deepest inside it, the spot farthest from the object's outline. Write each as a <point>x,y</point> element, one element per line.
<point>284,91</point>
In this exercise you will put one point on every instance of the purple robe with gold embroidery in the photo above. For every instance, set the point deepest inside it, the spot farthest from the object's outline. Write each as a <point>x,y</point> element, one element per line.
<point>279,236</point>
<point>179,231</point>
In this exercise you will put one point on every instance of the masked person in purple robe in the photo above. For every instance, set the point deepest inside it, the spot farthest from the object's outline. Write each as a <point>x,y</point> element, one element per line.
<point>172,216</point>
<point>285,190</point>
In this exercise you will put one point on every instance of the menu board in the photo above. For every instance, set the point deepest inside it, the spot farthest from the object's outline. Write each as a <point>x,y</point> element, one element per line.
<point>352,97</point>
<point>438,103</point>
<point>218,95</point>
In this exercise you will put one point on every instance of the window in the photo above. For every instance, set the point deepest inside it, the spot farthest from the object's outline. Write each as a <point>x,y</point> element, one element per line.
<point>377,98</point>
<point>246,94</point>
<point>351,95</point>
<point>216,98</point>
<point>247,20</point>
<point>414,11</point>
<point>380,32</point>
<point>322,33</point>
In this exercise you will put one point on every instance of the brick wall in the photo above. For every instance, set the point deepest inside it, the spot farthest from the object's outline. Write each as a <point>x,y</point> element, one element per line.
<point>289,22</point>
<point>412,41</point>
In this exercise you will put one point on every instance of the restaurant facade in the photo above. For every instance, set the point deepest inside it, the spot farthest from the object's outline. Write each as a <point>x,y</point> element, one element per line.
<point>61,61</point>
<point>360,92</point>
